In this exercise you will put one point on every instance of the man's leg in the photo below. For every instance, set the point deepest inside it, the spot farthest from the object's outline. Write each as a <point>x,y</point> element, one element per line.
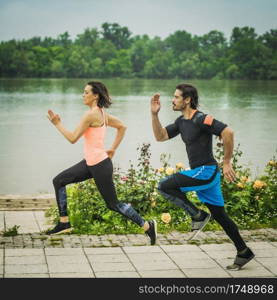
<point>175,186</point>
<point>169,187</point>
<point>213,199</point>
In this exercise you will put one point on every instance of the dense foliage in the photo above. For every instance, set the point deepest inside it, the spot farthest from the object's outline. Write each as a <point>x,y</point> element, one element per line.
<point>113,51</point>
<point>251,202</point>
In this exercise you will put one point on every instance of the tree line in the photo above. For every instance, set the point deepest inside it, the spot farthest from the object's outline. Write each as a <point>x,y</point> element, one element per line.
<point>112,51</point>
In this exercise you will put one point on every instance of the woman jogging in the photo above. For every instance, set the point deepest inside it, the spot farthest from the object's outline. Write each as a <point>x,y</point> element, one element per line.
<point>97,162</point>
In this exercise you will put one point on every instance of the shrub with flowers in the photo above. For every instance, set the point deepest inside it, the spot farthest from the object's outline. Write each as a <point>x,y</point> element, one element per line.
<point>251,202</point>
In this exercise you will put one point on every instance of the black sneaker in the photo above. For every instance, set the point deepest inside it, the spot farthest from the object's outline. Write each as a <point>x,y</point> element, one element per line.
<point>152,231</point>
<point>241,259</point>
<point>198,225</point>
<point>60,228</point>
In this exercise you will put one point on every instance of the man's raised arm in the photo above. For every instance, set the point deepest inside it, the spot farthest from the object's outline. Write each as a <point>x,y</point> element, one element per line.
<point>160,133</point>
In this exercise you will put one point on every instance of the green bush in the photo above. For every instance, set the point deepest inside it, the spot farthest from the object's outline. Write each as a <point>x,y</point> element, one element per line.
<point>250,202</point>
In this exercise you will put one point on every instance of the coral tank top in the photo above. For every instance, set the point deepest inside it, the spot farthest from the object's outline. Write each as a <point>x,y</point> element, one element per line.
<point>94,151</point>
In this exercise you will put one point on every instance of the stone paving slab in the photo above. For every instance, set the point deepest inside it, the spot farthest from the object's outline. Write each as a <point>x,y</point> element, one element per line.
<point>155,266</point>
<point>195,263</point>
<point>2,222</point>
<point>142,249</point>
<point>162,274</point>
<point>206,273</point>
<point>23,252</point>
<point>1,256</point>
<point>221,254</point>
<point>26,220</point>
<point>253,269</point>
<point>41,220</point>
<point>69,268</point>
<point>150,257</point>
<point>181,248</point>
<point>64,251</point>
<point>121,266</point>
<point>30,275</point>
<point>25,260</point>
<point>34,254</point>
<point>270,263</point>
<point>125,262</point>
<point>113,258</point>
<point>262,245</point>
<point>251,272</point>
<point>71,275</point>
<point>26,269</point>
<point>188,255</point>
<point>266,253</point>
<point>217,247</point>
<point>70,259</point>
<point>126,274</point>
<point>102,251</point>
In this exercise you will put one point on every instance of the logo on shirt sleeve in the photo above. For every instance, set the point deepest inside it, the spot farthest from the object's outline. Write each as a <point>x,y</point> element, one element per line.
<point>208,120</point>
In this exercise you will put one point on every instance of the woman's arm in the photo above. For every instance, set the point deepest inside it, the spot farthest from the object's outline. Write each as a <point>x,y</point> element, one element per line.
<point>74,136</point>
<point>121,128</point>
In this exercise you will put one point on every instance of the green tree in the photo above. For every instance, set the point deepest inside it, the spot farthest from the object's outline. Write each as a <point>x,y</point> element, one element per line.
<point>118,35</point>
<point>181,41</point>
<point>88,38</point>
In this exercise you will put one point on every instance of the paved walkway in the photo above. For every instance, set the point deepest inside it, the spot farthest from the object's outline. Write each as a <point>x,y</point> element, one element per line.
<point>32,254</point>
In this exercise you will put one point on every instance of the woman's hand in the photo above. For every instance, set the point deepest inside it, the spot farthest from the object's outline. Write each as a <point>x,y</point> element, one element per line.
<point>54,118</point>
<point>110,153</point>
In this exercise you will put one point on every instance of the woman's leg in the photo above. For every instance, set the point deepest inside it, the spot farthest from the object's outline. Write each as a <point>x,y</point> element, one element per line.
<point>76,173</point>
<point>103,177</point>
<point>102,174</point>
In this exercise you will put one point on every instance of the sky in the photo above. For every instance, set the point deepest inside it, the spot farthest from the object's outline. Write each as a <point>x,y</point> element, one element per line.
<point>23,19</point>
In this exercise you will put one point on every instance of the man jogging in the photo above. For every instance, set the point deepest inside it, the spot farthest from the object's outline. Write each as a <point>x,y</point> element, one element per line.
<point>196,130</point>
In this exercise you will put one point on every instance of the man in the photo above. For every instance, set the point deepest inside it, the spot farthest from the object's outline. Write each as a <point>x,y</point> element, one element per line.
<point>196,129</point>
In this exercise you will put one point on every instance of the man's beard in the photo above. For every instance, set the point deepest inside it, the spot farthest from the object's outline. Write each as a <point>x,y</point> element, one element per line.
<point>179,109</point>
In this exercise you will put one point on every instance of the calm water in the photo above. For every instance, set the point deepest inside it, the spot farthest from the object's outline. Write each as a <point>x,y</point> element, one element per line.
<point>32,151</point>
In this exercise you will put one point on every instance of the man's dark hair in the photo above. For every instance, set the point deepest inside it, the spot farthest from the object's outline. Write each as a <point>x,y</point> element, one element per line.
<point>189,91</point>
<point>100,89</point>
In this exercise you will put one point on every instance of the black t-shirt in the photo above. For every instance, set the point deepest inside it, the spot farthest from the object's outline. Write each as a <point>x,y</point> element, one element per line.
<point>197,135</point>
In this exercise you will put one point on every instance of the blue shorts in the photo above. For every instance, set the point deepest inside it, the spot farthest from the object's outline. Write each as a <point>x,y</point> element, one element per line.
<point>205,180</point>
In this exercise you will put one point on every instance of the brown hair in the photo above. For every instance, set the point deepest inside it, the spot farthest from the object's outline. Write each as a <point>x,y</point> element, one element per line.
<point>100,89</point>
<point>189,90</point>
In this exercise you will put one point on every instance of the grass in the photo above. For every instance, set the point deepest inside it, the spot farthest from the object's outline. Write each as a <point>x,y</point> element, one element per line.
<point>12,231</point>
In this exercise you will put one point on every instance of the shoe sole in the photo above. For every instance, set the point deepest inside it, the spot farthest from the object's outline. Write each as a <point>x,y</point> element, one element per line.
<point>194,235</point>
<point>68,230</point>
<point>236,267</point>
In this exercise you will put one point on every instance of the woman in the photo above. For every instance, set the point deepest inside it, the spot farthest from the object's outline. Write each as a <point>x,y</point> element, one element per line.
<point>97,162</point>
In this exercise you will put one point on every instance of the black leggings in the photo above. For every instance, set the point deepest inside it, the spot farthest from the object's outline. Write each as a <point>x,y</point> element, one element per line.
<point>170,189</point>
<point>102,173</point>
<point>231,229</point>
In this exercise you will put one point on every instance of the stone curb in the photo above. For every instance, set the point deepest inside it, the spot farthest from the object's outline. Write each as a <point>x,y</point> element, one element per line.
<point>40,240</point>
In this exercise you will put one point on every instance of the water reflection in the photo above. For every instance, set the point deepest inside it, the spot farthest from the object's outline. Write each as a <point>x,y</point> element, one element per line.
<point>32,152</point>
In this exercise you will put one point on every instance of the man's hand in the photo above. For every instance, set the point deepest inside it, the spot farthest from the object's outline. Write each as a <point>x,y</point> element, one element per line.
<point>110,153</point>
<point>229,172</point>
<point>155,104</point>
<point>54,118</point>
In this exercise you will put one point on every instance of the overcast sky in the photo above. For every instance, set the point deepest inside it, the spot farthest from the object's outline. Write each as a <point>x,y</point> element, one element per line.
<point>22,19</point>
